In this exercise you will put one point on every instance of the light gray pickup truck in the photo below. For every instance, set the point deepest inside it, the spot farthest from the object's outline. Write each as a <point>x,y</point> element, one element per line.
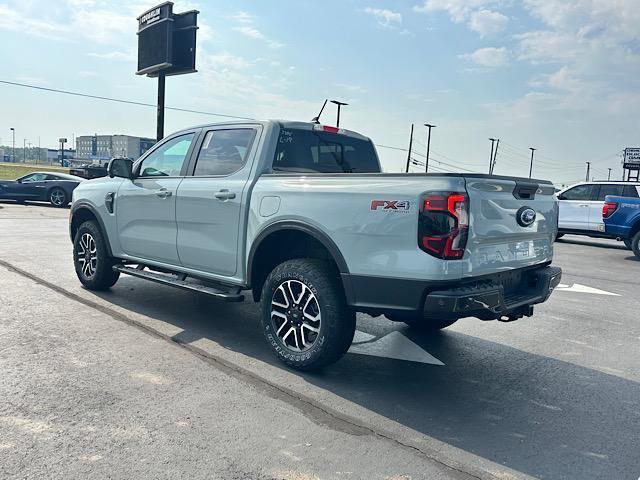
<point>301,215</point>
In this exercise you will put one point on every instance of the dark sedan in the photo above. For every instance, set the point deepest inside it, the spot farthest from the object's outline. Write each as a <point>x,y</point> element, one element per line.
<point>52,187</point>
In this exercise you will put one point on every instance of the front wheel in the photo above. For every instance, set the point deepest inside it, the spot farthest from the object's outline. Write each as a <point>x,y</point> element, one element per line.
<point>94,266</point>
<point>635,245</point>
<point>58,198</point>
<point>305,317</point>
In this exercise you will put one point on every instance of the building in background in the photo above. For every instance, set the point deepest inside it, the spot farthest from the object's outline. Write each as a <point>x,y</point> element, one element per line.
<point>102,148</point>
<point>53,155</point>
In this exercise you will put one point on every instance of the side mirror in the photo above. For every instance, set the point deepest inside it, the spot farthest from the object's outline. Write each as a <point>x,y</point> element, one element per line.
<point>561,197</point>
<point>120,167</point>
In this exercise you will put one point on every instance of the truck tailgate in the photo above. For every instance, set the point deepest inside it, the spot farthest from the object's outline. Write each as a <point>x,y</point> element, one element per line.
<point>504,232</point>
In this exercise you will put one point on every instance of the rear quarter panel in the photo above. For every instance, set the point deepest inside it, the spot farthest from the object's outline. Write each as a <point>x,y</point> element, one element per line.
<point>626,219</point>
<point>379,242</point>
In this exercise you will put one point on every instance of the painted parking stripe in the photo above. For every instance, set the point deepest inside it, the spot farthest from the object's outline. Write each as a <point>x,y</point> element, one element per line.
<point>394,345</point>
<point>576,287</point>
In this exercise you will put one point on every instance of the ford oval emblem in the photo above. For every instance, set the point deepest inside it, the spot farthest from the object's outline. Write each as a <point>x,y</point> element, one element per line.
<point>526,216</point>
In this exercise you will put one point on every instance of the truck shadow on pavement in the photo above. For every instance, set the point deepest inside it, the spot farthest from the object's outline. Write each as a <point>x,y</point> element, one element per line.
<point>537,415</point>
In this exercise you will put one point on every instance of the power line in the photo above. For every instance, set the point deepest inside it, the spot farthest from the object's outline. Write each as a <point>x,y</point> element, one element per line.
<point>118,100</point>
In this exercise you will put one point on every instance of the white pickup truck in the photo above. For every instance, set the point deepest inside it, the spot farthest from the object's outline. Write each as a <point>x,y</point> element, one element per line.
<point>301,215</point>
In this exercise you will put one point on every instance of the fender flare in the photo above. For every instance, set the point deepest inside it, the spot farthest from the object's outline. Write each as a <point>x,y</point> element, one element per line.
<point>314,232</point>
<point>75,208</point>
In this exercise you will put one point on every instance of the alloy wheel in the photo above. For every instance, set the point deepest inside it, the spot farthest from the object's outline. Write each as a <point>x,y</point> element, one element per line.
<point>57,197</point>
<point>87,255</point>
<point>295,315</point>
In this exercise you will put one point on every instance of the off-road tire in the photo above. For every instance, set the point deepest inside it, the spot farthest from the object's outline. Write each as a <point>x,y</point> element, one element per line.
<point>100,275</point>
<point>635,245</point>
<point>337,320</point>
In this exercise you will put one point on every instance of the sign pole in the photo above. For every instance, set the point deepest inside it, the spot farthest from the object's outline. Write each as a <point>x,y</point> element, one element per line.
<point>161,89</point>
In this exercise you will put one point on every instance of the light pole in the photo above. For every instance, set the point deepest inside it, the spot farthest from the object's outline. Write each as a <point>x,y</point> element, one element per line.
<point>13,149</point>
<point>493,141</point>
<point>339,104</point>
<point>531,166</point>
<point>609,177</point>
<point>24,150</point>
<point>588,170</point>
<point>429,126</point>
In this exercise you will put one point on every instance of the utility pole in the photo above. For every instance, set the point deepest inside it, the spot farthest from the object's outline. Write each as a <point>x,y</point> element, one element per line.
<point>609,177</point>
<point>13,149</point>
<point>531,166</point>
<point>24,150</point>
<point>493,141</point>
<point>339,104</point>
<point>429,126</point>
<point>410,145</point>
<point>588,170</point>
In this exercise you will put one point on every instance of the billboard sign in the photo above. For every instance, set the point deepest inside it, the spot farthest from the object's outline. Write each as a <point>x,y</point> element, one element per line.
<point>166,41</point>
<point>632,158</point>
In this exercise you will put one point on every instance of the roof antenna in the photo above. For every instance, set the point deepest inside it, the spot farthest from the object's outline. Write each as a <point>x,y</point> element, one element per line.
<point>317,119</point>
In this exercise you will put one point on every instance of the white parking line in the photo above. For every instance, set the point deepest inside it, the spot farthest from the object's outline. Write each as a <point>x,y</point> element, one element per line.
<point>576,287</point>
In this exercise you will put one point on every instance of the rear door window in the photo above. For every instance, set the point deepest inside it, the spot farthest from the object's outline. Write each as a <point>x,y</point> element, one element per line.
<point>224,152</point>
<point>323,152</point>
<point>609,189</point>
<point>581,192</point>
<point>630,191</point>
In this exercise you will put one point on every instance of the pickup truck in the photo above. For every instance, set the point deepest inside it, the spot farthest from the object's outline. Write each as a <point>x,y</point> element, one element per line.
<point>621,217</point>
<point>301,215</point>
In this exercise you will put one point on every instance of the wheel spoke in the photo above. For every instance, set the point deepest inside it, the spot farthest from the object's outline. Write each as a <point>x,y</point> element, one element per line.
<point>309,327</point>
<point>278,314</point>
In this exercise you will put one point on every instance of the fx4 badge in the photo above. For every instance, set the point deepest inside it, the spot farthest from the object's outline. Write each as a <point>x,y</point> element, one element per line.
<point>390,205</point>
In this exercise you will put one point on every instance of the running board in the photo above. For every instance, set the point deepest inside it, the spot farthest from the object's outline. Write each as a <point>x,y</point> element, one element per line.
<point>230,294</point>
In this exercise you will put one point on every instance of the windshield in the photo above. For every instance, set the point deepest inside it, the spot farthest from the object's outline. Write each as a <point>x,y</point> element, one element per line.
<point>322,152</point>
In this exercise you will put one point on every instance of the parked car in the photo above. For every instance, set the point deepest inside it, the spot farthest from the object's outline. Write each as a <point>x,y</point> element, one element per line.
<point>621,216</point>
<point>581,206</point>
<point>301,215</point>
<point>56,188</point>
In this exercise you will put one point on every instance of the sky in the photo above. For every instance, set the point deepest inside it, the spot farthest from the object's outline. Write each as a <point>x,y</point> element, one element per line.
<point>562,76</point>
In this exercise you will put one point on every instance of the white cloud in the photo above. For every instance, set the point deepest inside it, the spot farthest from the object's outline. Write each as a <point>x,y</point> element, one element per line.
<point>226,60</point>
<point>243,17</point>
<point>115,55</point>
<point>458,10</point>
<point>487,22</point>
<point>385,17</point>
<point>256,34</point>
<point>488,57</point>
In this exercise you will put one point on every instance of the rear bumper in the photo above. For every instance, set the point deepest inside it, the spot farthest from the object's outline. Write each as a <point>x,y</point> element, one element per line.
<point>506,296</point>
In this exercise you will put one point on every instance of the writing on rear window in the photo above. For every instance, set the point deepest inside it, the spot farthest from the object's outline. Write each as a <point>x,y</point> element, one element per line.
<point>311,151</point>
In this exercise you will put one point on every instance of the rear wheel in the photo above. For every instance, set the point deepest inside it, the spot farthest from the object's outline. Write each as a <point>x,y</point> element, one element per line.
<point>635,245</point>
<point>305,317</point>
<point>628,243</point>
<point>94,266</point>
<point>58,198</point>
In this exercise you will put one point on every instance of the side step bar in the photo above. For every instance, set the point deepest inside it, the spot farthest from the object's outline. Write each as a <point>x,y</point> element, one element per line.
<point>230,294</point>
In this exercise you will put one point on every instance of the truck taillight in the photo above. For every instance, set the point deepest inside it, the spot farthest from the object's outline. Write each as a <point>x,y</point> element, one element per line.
<point>609,209</point>
<point>444,224</point>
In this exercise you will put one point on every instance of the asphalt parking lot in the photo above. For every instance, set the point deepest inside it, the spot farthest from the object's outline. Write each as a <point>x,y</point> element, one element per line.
<point>152,382</point>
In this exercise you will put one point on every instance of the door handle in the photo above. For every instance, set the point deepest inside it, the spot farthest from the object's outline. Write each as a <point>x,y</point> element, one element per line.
<point>163,193</point>
<point>224,194</point>
<point>584,206</point>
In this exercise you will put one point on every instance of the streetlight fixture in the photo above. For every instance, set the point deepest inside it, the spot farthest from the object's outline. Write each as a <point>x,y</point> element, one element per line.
<point>429,126</point>
<point>339,104</point>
